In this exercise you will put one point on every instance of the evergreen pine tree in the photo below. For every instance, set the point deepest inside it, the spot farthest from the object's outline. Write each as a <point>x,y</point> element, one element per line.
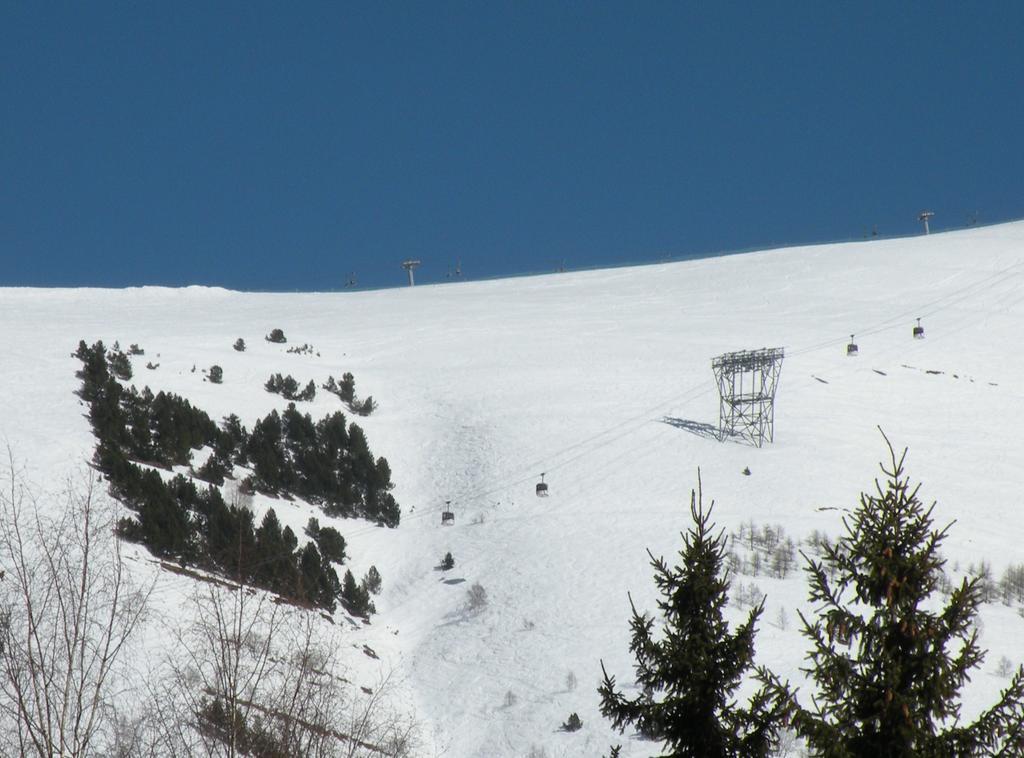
<point>212,471</point>
<point>311,575</point>
<point>274,384</point>
<point>289,387</point>
<point>270,549</point>
<point>355,598</point>
<point>308,393</point>
<point>690,671</point>
<point>331,544</point>
<point>372,581</point>
<point>312,529</point>
<point>888,670</point>
<point>573,723</point>
<point>119,363</point>
<point>347,388</point>
<point>265,451</point>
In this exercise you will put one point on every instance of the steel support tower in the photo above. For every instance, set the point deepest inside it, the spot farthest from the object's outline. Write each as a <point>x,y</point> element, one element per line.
<point>746,389</point>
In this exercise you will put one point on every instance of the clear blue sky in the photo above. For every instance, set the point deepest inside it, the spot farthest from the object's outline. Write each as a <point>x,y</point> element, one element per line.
<point>279,146</point>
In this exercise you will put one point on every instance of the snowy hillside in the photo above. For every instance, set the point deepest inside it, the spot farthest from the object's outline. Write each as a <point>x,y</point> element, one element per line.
<point>597,379</point>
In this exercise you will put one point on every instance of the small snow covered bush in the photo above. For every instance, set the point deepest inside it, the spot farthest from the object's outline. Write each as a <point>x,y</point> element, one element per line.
<point>372,581</point>
<point>476,597</point>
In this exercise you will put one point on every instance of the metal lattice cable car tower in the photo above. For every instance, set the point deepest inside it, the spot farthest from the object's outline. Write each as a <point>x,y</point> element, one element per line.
<point>746,388</point>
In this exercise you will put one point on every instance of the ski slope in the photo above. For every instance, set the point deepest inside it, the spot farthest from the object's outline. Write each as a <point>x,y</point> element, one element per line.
<point>589,377</point>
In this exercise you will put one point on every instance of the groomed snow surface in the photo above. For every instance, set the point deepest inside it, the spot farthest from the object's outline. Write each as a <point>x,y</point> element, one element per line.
<point>600,379</point>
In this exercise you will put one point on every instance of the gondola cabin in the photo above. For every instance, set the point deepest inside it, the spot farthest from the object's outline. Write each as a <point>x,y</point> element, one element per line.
<point>542,487</point>
<point>448,515</point>
<point>919,331</point>
<point>851,349</point>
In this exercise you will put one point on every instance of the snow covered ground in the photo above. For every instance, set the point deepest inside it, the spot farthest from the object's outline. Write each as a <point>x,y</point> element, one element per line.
<point>597,379</point>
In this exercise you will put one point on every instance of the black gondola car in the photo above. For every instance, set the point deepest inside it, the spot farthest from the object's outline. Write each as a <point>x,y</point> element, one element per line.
<point>542,488</point>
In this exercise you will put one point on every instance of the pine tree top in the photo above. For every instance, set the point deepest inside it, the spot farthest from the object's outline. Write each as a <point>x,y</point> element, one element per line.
<point>888,671</point>
<point>690,666</point>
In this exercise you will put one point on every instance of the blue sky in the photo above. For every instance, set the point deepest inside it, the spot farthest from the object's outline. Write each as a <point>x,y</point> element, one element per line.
<point>279,146</point>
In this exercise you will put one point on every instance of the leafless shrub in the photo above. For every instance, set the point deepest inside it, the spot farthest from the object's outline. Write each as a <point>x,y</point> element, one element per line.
<point>986,584</point>
<point>69,610</point>
<point>944,584</point>
<point>782,619</point>
<point>817,542</point>
<point>251,678</point>
<point>755,563</point>
<point>476,598</point>
<point>783,557</point>
<point>787,745</point>
<point>212,692</point>
<point>747,595</point>
<point>570,681</point>
<point>733,563</point>
<point>1011,586</point>
<point>375,728</point>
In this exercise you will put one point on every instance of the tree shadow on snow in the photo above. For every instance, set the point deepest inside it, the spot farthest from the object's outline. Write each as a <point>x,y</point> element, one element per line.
<point>700,428</point>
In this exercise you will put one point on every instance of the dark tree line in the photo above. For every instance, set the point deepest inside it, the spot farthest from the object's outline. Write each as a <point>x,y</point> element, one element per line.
<point>288,388</point>
<point>327,462</point>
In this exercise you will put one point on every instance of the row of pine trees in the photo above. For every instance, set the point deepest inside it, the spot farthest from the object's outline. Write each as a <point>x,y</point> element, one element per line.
<point>887,669</point>
<point>326,462</point>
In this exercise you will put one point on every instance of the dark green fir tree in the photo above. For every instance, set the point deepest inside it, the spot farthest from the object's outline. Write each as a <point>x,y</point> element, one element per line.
<point>347,388</point>
<point>355,597</point>
<point>888,667</point>
<point>688,671</point>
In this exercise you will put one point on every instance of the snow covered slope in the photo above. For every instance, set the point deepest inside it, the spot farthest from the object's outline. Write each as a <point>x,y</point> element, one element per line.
<point>595,379</point>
